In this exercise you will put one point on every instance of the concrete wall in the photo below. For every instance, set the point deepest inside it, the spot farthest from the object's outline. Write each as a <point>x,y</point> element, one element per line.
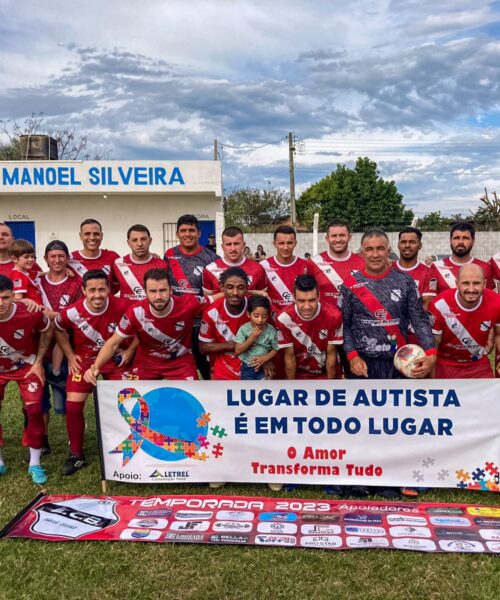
<point>434,242</point>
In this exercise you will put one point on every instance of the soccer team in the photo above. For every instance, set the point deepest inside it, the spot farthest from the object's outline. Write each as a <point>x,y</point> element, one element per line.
<point>194,314</point>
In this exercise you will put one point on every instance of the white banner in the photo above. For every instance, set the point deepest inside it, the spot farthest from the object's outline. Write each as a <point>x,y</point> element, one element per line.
<point>427,433</point>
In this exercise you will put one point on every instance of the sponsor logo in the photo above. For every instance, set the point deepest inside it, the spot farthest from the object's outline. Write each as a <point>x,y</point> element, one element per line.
<point>456,534</point>
<point>156,512</point>
<point>190,525</point>
<point>321,541</point>
<point>184,537</point>
<point>228,539</point>
<point>405,520</point>
<point>493,546</point>
<point>232,526</point>
<point>483,511</point>
<point>363,518</point>
<point>414,544</point>
<point>405,531</point>
<point>396,295</point>
<point>451,521</point>
<point>235,515</point>
<point>140,534</point>
<point>490,534</point>
<point>320,529</point>
<point>277,516</point>
<point>485,522</point>
<point>275,540</point>
<point>353,530</point>
<point>320,517</point>
<point>156,474</point>
<point>149,523</point>
<point>191,515</point>
<point>354,541</point>
<point>444,510</point>
<point>460,546</point>
<point>274,527</point>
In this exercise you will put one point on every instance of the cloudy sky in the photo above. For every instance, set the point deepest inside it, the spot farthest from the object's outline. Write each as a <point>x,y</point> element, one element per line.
<point>412,84</point>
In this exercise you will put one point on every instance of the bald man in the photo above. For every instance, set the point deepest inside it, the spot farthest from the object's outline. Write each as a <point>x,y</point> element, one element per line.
<point>466,325</point>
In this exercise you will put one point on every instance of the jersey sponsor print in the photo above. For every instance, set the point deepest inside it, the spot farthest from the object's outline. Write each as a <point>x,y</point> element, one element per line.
<point>212,272</point>
<point>130,275</point>
<point>281,279</point>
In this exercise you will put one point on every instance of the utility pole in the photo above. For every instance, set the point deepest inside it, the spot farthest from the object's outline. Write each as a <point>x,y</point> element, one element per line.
<point>291,151</point>
<point>216,150</point>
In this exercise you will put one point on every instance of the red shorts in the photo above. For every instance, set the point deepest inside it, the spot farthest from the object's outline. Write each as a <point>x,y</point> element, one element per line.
<point>31,389</point>
<point>305,375</point>
<point>183,367</point>
<point>473,370</point>
<point>77,384</point>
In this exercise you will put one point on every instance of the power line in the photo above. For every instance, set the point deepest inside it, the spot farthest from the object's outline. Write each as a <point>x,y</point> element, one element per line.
<point>249,147</point>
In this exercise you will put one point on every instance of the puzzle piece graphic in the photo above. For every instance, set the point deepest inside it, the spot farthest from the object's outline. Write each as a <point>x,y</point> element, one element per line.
<point>491,468</point>
<point>462,475</point>
<point>204,419</point>
<point>492,486</point>
<point>218,431</point>
<point>428,462</point>
<point>200,456</point>
<point>443,474</point>
<point>462,485</point>
<point>217,450</point>
<point>203,442</point>
<point>478,474</point>
<point>418,476</point>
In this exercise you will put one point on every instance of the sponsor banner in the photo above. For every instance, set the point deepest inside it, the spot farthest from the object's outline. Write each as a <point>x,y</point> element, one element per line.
<point>261,521</point>
<point>425,433</point>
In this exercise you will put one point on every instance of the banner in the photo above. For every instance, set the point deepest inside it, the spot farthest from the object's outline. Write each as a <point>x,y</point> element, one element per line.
<point>324,524</point>
<point>427,433</point>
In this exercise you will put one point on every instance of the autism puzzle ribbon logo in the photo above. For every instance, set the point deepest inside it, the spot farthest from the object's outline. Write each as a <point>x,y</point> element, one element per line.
<point>167,423</point>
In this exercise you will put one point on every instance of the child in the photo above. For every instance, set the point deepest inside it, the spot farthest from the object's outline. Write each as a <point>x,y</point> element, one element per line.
<point>22,254</point>
<point>256,341</point>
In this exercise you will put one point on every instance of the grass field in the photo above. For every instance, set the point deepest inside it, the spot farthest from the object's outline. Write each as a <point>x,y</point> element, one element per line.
<point>100,570</point>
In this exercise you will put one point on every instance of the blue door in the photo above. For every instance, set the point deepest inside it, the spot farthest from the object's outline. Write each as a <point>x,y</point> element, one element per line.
<point>207,228</point>
<point>23,230</point>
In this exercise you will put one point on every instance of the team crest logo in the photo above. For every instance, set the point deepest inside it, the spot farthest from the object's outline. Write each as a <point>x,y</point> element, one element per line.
<point>111,327</point>
<point>485,326</point>
<point>396,295</point>
<point>18,334</point>
<point>106,269</point>
<point>64,301</point>
<point>180,326</point>
<point>32,387</point>
<point>323,333</point>
<point>198,270</point>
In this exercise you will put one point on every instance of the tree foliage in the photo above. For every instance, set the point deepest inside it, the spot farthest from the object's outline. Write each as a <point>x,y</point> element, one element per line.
<point>435,221</point>
<point>359,195</point>
<point>70,145</point>
<point>253,209</point>
<point>487,216</point>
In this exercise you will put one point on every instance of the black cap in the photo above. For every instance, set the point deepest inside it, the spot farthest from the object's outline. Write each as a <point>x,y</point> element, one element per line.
<point>56,245</point>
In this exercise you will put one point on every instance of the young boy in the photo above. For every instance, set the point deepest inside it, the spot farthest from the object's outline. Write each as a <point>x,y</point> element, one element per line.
<point>22,254</point>
<point>256,341</point>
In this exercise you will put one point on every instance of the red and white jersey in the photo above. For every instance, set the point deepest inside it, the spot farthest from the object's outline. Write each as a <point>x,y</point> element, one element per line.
<point>18,339</point>
<point>464,331</point>
<point>130,275</point>
<point>445,272</point>
<point>281,279</point>
<point>422,275</point>
<point>310,338</point>
<point>80,264</point>
<point>162,338</point>
<point>218,325</point>
<point>23,284</point>
<point>7,266</point>
<point>57,295</point>
<point>330,273</point>
<point>495,271</point>
<point>90,329</point>
<point>212,272</point>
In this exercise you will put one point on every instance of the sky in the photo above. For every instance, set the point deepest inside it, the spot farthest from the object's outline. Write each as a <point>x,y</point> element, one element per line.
<point>411,84</point>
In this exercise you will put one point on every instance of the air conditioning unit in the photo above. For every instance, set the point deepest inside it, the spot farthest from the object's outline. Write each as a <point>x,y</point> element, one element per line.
<point>38,147</point>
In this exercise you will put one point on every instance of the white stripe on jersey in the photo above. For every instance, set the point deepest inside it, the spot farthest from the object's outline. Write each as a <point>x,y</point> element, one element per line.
<point>446,273</point>
<point>85,327</point>
<point>458,330</point>
<point>45,299</point>
<point>130,278</point>
<point>77,266</point>
<point>276,281</point>
<point>303,339</point>
<point>14,355</point>
<point>171,343</point>
<point>328,271</point>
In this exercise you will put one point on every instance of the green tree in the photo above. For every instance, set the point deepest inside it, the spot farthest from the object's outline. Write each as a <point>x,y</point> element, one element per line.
<point>359,195</point>
<point>487,216</point>
<point>435,221</point>
<point>253,209</point>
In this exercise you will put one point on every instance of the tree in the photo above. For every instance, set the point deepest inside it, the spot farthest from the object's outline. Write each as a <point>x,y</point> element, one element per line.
<point>487,216</point>
<point>359,195</point>
<point>254,209</point>
<point>434,221</point>
<point>70,146</point>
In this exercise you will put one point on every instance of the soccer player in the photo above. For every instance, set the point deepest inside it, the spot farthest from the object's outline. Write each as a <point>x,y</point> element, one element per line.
<point>22,254</point>
<point>91,321</point>
<point>409,244</point>
<point>91,257</point>
<point>495,271</point>
<point>129,271</point>
<point>221,322</point>
<point>163,325</point>
<point>233,246</point>
<point>283,269</point>
<point>462,320</point>
<point>336,263</point>
<point>21,355</point>
<point>186,262</point>
<point>58,291</point>
<point>462,235</point>
<point>378,305</point>
<point>309,332</point>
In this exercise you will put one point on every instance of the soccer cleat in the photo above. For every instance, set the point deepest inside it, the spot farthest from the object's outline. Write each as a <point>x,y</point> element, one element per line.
<point>73,464</point>
<point>275,487</point>
<point>46,450</point>
<point>38,474</point>
<point>3,469</point>
<point>409,492</point>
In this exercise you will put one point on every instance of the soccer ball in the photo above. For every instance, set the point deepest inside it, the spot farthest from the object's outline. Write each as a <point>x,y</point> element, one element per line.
<point>406,357</point>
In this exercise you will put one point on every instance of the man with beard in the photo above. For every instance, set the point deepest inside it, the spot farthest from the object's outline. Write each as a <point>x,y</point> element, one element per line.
<point>445,271</point>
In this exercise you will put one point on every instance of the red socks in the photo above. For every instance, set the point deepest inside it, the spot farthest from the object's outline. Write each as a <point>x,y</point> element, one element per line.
<point>35,429</point>
<point>75,424</point>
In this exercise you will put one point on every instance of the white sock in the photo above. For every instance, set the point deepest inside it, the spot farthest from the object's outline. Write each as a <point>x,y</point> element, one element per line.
<point>35,454</point>
<point>1,458</point>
